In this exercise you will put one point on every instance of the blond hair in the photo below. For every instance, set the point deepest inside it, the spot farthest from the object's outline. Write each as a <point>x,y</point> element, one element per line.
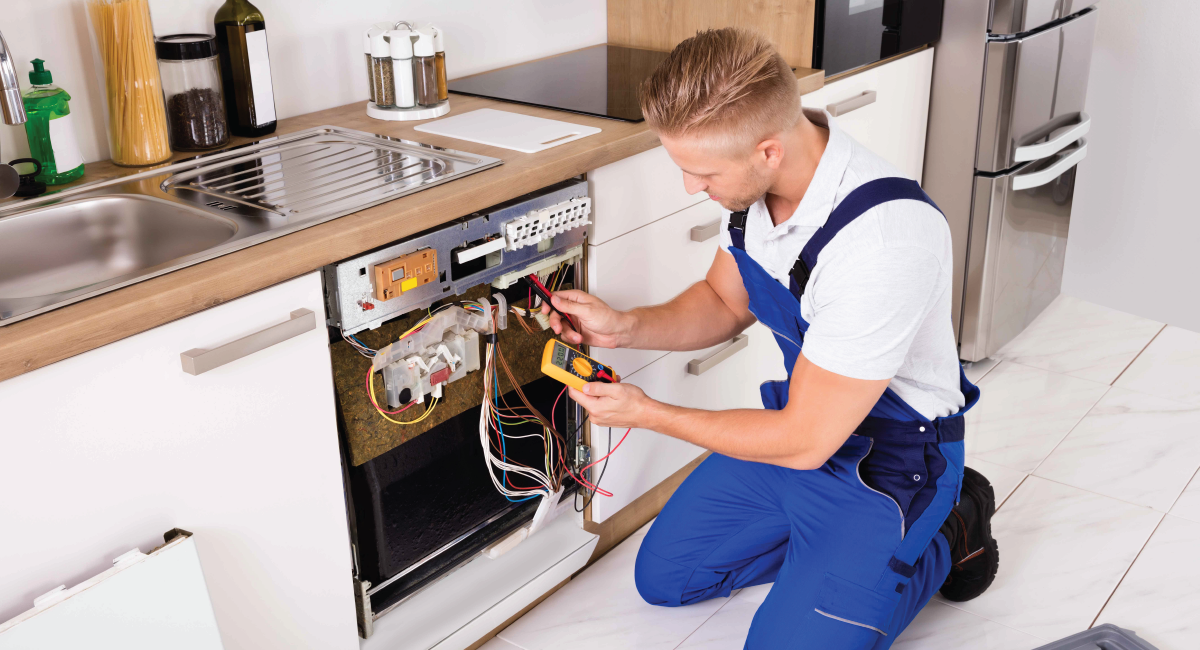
<point>729,85</point>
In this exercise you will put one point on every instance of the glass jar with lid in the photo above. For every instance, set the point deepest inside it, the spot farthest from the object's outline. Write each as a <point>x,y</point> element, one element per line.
<point>191,81</point>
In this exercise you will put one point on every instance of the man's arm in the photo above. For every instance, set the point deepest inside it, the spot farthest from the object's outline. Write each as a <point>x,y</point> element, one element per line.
<point>705,314</point>
<point>823,409</point>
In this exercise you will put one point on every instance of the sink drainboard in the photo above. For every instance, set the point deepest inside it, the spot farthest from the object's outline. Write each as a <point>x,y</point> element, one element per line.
<point>319,172</point>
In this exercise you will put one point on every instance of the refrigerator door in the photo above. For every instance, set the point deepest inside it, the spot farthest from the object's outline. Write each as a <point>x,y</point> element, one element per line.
<point>1016,249</point>
<point>1018,16</point>
<point>1034,89</point>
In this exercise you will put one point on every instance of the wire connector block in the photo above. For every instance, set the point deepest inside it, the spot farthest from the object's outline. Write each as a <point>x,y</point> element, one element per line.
<point>546,223</point>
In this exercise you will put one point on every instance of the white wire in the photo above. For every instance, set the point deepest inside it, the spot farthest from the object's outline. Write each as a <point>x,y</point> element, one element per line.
<point>488,408</point>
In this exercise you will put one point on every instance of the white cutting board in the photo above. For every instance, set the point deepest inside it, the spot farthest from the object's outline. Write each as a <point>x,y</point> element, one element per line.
<point>509,130</point>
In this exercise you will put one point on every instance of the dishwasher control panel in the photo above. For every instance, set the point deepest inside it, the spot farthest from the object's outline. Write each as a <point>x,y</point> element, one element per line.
<point>491,246</point>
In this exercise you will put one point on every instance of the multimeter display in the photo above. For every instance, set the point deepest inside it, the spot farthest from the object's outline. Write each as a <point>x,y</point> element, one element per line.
<point>572,367</point>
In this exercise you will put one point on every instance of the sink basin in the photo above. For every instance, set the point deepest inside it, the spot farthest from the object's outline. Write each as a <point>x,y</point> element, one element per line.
<point>53,253</point>
<point>69,246</point>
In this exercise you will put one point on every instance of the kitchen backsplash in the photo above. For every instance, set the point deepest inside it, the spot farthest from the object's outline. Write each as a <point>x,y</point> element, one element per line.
<point>315,45</point>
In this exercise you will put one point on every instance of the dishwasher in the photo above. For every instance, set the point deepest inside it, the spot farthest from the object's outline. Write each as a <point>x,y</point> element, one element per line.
<point>466,476</point>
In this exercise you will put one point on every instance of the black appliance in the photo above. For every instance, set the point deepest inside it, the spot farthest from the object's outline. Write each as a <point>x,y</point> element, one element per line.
<point>601,80</point>
<point>849,34</point>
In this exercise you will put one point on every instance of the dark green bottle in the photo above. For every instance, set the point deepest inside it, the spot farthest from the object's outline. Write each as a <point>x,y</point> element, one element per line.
<point>245,69</point>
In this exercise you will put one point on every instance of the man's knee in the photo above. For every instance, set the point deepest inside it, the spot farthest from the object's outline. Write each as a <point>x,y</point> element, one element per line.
<point>659,582</point>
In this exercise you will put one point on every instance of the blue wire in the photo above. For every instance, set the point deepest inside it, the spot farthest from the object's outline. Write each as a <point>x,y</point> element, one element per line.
<point>503,451</point>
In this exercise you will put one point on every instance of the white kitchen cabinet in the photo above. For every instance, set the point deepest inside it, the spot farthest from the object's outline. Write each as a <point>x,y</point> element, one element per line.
<point>894,124</point>
<point>650,266</point>
<point>635,191</point>
<point>646,458</point>
<point>107,450</point>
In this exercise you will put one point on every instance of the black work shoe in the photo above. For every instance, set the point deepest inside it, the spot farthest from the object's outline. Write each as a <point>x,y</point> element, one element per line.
<point>974,556</point>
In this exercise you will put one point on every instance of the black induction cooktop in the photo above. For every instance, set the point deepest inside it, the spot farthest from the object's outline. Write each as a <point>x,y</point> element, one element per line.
<point>601,80</point>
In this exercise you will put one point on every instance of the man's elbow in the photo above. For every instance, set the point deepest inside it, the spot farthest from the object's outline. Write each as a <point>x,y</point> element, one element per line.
<point>804,461</point>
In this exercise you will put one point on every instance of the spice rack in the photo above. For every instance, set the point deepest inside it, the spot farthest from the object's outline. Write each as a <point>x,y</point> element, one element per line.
<point>406,72</point>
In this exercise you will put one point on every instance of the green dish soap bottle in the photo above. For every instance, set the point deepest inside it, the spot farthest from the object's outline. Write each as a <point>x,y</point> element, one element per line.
<point>51,129</point>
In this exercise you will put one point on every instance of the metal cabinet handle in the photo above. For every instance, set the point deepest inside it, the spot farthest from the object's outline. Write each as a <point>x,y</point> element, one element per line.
<point>700,366</point>
<point>854,103</point>
<point>198,361</point>
<point>706,231</point>
<point>1039,178</point>
<point>1055,144</point>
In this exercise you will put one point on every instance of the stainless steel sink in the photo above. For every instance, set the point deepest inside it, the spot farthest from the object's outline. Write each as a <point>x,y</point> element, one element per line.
<point>59,251</point>
<point>66,247</point>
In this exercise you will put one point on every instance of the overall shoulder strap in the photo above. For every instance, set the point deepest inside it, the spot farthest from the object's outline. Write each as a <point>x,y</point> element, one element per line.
<point>737,228</point>
<point>863,198</point>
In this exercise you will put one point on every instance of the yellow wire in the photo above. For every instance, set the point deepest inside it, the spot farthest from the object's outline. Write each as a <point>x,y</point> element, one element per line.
<point>432,404</point>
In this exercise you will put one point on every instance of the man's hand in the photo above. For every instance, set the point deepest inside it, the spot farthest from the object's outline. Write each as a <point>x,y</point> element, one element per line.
<point>601,325</point>
<point>614,405</point>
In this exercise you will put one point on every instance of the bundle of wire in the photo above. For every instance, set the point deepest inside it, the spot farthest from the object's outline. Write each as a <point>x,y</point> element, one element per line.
<point>496,413</point>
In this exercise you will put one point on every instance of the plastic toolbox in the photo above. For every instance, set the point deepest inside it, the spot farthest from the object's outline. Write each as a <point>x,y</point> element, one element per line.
<point>1101,637</point>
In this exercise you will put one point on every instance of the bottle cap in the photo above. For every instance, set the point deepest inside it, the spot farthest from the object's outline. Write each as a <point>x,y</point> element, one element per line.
<point>439,40</point>
<point>39,76</point>
<point>424,45</point>
<point>380,48</point>
<point>185,47</point>
<point>402,46</point>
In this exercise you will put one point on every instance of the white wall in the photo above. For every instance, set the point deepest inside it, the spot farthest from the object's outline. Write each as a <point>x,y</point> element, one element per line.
<point>1134,243</point>
<point>316,46</point>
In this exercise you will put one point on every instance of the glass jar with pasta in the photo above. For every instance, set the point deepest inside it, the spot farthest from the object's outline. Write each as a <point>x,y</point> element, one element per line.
<point>137,120</point>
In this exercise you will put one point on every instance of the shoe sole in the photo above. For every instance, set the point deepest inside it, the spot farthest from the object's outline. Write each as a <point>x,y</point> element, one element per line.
<point>980,489</point>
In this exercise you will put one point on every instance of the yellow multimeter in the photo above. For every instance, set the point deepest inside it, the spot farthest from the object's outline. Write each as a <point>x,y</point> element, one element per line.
<point>572,367</point>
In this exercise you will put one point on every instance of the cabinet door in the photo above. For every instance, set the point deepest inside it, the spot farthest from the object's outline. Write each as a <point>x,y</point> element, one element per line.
<point>894,124</point>
<point>106,451</point>
<point>633,192</point>
<point>647,458</point>
<point>650,266</point>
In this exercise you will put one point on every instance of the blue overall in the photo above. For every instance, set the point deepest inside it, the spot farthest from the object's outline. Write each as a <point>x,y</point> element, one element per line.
<point>852,546</point>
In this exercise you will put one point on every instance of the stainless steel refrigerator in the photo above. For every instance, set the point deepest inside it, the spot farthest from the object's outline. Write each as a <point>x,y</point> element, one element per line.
<point>1006,131</point>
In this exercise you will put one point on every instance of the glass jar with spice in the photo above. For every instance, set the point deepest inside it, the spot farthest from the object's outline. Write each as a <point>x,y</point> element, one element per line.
<point>424,70</point>
<point>191,82</point>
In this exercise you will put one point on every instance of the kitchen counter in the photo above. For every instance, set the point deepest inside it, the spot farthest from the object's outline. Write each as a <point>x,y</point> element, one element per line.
<point>62,333</point>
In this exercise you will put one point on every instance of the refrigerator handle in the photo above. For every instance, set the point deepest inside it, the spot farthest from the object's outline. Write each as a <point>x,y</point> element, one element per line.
<point>1055,144</point>
<point>1039,178</point>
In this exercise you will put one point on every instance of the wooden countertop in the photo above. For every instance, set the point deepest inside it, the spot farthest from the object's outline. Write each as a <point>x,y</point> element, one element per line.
<point>65,332</point>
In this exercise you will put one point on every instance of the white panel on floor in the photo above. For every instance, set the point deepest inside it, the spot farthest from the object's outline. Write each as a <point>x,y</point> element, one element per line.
<point>1081,339</point>
<point>144,602</point>
<point>1131,446</point>
<point>1169,367</point>
<point>1024,412</point>
<point>601,610</point>
<point>1062,552</point>
<point>1159,598</point>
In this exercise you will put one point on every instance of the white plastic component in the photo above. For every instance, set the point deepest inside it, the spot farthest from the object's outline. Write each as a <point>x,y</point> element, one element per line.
<point>508,279</point>
<point>501,312</point>
<point>542,319</point>
<point>128,556</point>
<point>507,544</point>
<point>449,341</point>
<point>547,222</point>
<point>482,249</point>
<point>548,510</point>
<point>50,597</point>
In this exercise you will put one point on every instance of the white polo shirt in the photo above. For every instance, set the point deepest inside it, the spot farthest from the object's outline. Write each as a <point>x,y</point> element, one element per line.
<point>878,301</point>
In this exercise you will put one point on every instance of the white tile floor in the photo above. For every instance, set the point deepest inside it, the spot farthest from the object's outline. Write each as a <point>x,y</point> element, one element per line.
<point>1089,430</point>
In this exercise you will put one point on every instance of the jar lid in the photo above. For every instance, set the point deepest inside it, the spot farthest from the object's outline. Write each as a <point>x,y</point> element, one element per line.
<point>182,47</point>
<point>401,42</point>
